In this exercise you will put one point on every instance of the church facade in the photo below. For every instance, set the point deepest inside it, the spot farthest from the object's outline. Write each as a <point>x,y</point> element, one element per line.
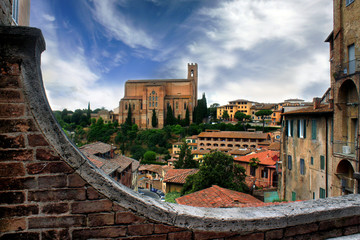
<point>144,96</point>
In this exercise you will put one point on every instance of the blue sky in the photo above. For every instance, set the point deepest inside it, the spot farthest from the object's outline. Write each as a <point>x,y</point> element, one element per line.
<point>260,50</point>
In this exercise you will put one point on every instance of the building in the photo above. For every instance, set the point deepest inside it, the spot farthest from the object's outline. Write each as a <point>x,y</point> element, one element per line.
<point>175,179</point>
<point>265,174</point>
<point>241,105</point>
<point>122,169</point>
<point>144,96</point>
<point>15,12</point>
<point>344,43</point>
<point>227,141</point>
<point>262,106</point>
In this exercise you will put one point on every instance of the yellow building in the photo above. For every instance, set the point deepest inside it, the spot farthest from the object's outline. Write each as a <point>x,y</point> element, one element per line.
<point>243,105</point>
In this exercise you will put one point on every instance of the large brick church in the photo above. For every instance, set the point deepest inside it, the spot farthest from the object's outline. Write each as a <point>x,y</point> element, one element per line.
<point>145,95</point>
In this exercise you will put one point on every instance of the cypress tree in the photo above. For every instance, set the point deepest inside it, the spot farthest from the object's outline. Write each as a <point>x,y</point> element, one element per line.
<point>154,121</point>
<point>128,120</point>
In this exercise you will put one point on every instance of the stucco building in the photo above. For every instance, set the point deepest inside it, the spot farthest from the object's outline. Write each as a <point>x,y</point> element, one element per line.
<point>144,96</point>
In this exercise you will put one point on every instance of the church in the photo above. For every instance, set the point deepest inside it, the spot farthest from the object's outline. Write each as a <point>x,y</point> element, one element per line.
<point>144,96</point>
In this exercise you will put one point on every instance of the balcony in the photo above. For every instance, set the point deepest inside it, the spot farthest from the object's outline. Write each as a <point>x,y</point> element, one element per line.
<point>347,68</point>
<point>345,149</point>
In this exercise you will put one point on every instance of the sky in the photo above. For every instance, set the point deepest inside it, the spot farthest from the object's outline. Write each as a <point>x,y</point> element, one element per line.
<point>259,50</point>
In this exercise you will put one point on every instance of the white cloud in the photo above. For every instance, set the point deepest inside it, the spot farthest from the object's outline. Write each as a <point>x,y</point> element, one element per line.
<point>49,17</point>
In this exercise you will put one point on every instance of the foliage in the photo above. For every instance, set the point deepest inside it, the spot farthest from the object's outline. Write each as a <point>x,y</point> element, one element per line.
<point>200,111</point>
<point>128,120</point>
<point>186,159</point>
<point>171,196</point>
<point>152,162</point>
<point>254,162</point>
<point>262,113</point>
<point>150,156</point>
<point>225,115</point>
<point>137,152</point>
<point>100,131</point>
<point>170,119</point>
<point>212,111</point>
<point>154,120</point>
<point>219,169</point>
<point>187,117</point>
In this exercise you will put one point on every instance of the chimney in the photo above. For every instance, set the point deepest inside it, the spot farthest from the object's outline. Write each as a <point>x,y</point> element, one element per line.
<point>316,102</point>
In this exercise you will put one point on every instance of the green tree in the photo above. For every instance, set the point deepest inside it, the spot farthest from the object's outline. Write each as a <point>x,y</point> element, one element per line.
<point>241,117</point>
<point>128,120</point>
<point>88,113</point>
<point>217,168</point>
<point>187,117</point>
<point>225,115</point>
<point>186,159</point>
<point>262,113</point>
<point>154,121</point>
<point>200,111</point>
<point>150,156</point>
<point>212,111</point>
<point>170,119</point>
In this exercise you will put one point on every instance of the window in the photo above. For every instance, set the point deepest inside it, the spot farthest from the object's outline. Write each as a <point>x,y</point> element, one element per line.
<point>156,104</point>
<point>177,105</point>
<point>313,129</point>
<point>348,2</point>
<point>15,11</point>
<point>133,106</point>
<point>289,162</point>
<point>322,193</point>
<point>322,162</point>
<point>301,128</point>
<point>184,106</point>
<point>290,128</point>
<point>252,171</point>
<point>302,166</point>
<point>264,173</point>
<point>293,196</point>
<point>351,52</point>
<point>312,161</point>
<point>313,195</point>
<point>125,106</point>
<point>149,104</point>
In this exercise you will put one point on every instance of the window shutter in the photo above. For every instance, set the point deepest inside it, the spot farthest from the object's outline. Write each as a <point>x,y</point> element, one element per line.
<point>304,128</point>
<point>291,128</point>
<point>298,128</point>
<point>313,129</point>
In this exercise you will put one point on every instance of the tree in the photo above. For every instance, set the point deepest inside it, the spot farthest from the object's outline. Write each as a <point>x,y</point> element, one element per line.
<point>225,115</point>
<point>217,168</point>
<point>241,117</point>
<point>187,117</point>
<point>150,156</point>
<point>128,120</point>
<point>212,111</point>
<point>170,119</point>
<point>154,121</point>
<point>263,113</point>
<point>186,159</point>
<point>200,111</point>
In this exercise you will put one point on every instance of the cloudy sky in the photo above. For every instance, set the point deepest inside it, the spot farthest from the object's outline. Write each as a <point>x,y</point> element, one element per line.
<point>260,50</point>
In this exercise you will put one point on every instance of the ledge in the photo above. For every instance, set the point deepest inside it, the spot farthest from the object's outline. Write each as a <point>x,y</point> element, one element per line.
<point>224,220</point>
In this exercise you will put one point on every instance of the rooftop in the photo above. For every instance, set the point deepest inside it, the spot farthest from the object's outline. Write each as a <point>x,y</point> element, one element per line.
<point>323,108</point>
<point>97,147</point>
<point>268,157</point>
<point>235,134</point>
<point>178,175</point>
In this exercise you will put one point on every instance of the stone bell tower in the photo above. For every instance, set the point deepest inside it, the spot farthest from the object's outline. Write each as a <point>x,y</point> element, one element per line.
<point>193,76</point>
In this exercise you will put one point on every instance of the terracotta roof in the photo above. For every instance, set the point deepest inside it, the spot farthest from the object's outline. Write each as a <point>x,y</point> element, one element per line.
<point>179,175</point>
<point>240,151</point>
<point>310,110</point>
<point>217,197</point>
<point>203,152</point>
<point>152,168</point>
<point>268,157</point>
<point>274,146</point>
<point>192,144</point>
<point>97,147</point>
<point>192,137</point>
<point>235,134</point>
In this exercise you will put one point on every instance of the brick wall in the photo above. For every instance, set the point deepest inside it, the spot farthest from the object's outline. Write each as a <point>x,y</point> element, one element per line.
<point>48,190</point>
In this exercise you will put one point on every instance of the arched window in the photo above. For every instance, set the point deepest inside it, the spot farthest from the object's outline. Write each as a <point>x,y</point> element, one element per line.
<point>192,73</point>
<point>125,106</point>
<point>133,106</point>
<point>185,106</point>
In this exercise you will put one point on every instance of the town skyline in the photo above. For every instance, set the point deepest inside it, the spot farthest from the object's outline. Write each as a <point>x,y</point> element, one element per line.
<point>260,51</point>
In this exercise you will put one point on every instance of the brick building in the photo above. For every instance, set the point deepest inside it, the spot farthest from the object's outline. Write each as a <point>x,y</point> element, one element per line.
<point>144,96</point>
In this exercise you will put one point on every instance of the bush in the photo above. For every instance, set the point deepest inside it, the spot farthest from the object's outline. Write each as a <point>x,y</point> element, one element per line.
<point>171,196</point>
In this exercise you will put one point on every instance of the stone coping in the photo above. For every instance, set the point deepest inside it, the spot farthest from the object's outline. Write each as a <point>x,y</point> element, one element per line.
<point>28,43</point>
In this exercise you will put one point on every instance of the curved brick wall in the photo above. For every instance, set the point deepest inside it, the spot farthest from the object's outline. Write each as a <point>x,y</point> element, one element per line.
<point>49,190</point>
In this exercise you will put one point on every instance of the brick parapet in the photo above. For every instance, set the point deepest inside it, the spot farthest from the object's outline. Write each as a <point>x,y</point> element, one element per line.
<point>49,190</point>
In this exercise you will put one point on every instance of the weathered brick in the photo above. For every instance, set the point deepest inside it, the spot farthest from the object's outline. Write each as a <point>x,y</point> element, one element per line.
<point>7,141</point>
<point>48,167</point>
<point>180,235</point>
<point>16,155</point>
<point>151,237</point>
<point>252,236</point>
<point>55,208</point>
<point>17,125</point>
<point>9,82</point>
<point>93,194</point>
<point>13,169</point>
<point>36,140</point>
<point>101,219</point>
<point>74,180</point>
<point>301,229</point>
<point>21,210</point>
<point>47,182</point>
<point>10,68</point>
<point>18,183</point>
<point>55,235</point>
<point>141,229</point>
<point>46,154</point>
<point>12,110</point>
<point>128,218</point>
<point>161,228</point>
<point>14,224</point>
<point>104,232</point>
<point>329,234</point>
<point>274,234</point>
<point>11,96</point>
<point>21,235</point>
<point>202,235</point>
<point>12,197</point>
<point>116,208</point>
<point>91,206</point>
<point>56,222</point>
<point>351,230</point>
<point>56,195</point>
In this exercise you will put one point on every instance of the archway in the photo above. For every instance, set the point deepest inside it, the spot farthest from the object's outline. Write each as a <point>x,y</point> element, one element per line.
<point>344,172</point>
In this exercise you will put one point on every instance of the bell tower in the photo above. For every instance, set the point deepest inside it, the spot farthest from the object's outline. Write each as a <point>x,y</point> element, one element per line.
<point>193,76</point>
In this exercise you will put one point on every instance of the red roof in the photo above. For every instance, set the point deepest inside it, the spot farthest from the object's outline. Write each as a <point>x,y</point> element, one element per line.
<point>268,157</point>
<point>217,197</point>
<point>178,175</point>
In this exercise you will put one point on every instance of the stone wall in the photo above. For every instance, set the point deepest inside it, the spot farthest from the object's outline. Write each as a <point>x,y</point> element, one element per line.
<point>5,12</point>
<point>49,190</point>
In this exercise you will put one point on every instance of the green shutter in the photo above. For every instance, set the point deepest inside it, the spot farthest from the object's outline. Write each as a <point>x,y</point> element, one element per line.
<point>292,128</point>
<point>313,129</point>
<point>312,161</point>
<point>298,128</point>
<point>322,162</point>
<point>304,128</point>
<point>322,193</point>
<point>293,196</point>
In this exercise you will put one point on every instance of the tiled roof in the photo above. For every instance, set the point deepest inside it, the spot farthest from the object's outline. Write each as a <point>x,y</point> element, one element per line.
<point>203,152</point>
<point>97,147</point>
<point>217,197</point>
<point>274,146</point>
<point>268,157</point>
<point>310,110</point>
<point>235,134</point>
<point>240,152</point>
<point>152,168</point>
<point>179,175</point>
